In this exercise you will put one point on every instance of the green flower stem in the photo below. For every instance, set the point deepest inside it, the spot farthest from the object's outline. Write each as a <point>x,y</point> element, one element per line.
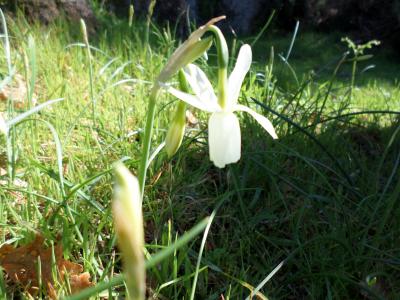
<point>147,138</point>
<point>223,59</point>
<point>222,47</point>
<point>148,131</point>
<point>223,87</point>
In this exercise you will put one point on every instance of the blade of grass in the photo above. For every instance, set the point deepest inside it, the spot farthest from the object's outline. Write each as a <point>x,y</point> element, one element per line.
<point>258,36</point>
<point>312,137</point>
<point>22,116</point>
<point>262,283</point>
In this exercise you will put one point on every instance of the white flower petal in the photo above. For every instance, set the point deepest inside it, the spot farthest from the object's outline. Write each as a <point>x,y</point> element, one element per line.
<point>224,138</point>
<point>192,100</point>
<point>263,121</point>
<point>242,66</point>
<point>199,83</point>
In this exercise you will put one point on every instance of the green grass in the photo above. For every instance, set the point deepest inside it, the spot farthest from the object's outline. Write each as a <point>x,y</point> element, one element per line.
<point>323,199</point>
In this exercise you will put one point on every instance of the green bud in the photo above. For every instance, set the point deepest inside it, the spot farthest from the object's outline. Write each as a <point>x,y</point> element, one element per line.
<point>128,220</point>
<point>176,130</point>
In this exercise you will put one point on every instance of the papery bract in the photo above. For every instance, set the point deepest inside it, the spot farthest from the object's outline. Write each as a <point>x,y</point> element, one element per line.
<point>188,52</point>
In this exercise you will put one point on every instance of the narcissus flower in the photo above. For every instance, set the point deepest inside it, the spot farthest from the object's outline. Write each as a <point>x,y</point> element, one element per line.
<point>223,126</point>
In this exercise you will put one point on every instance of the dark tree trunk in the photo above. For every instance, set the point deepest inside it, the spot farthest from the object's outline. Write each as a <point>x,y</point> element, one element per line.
<point>47,11</point>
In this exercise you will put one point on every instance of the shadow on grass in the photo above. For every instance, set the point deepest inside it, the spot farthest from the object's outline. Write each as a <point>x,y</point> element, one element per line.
<point>318,54</point>
<point>325,202</point>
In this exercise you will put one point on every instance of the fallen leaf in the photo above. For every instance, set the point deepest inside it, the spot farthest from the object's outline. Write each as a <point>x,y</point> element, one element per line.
<point>21,265</point>
<point>17,92</point>
<point>79,282</point>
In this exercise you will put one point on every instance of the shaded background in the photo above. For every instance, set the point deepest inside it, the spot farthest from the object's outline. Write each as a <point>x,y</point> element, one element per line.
<point>362,19</point>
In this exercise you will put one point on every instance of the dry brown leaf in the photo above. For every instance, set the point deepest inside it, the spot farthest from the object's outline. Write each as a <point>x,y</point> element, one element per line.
<point>17,92</point>
<point>21,265</point>
<point>79,282</point>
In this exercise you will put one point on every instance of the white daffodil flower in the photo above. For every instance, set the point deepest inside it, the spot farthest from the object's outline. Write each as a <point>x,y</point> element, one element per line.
<point>223,126</point>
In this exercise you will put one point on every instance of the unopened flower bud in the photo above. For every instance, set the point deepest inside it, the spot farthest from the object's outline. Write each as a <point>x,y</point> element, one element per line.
<point>176,130</point>
<point>128,220</point>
